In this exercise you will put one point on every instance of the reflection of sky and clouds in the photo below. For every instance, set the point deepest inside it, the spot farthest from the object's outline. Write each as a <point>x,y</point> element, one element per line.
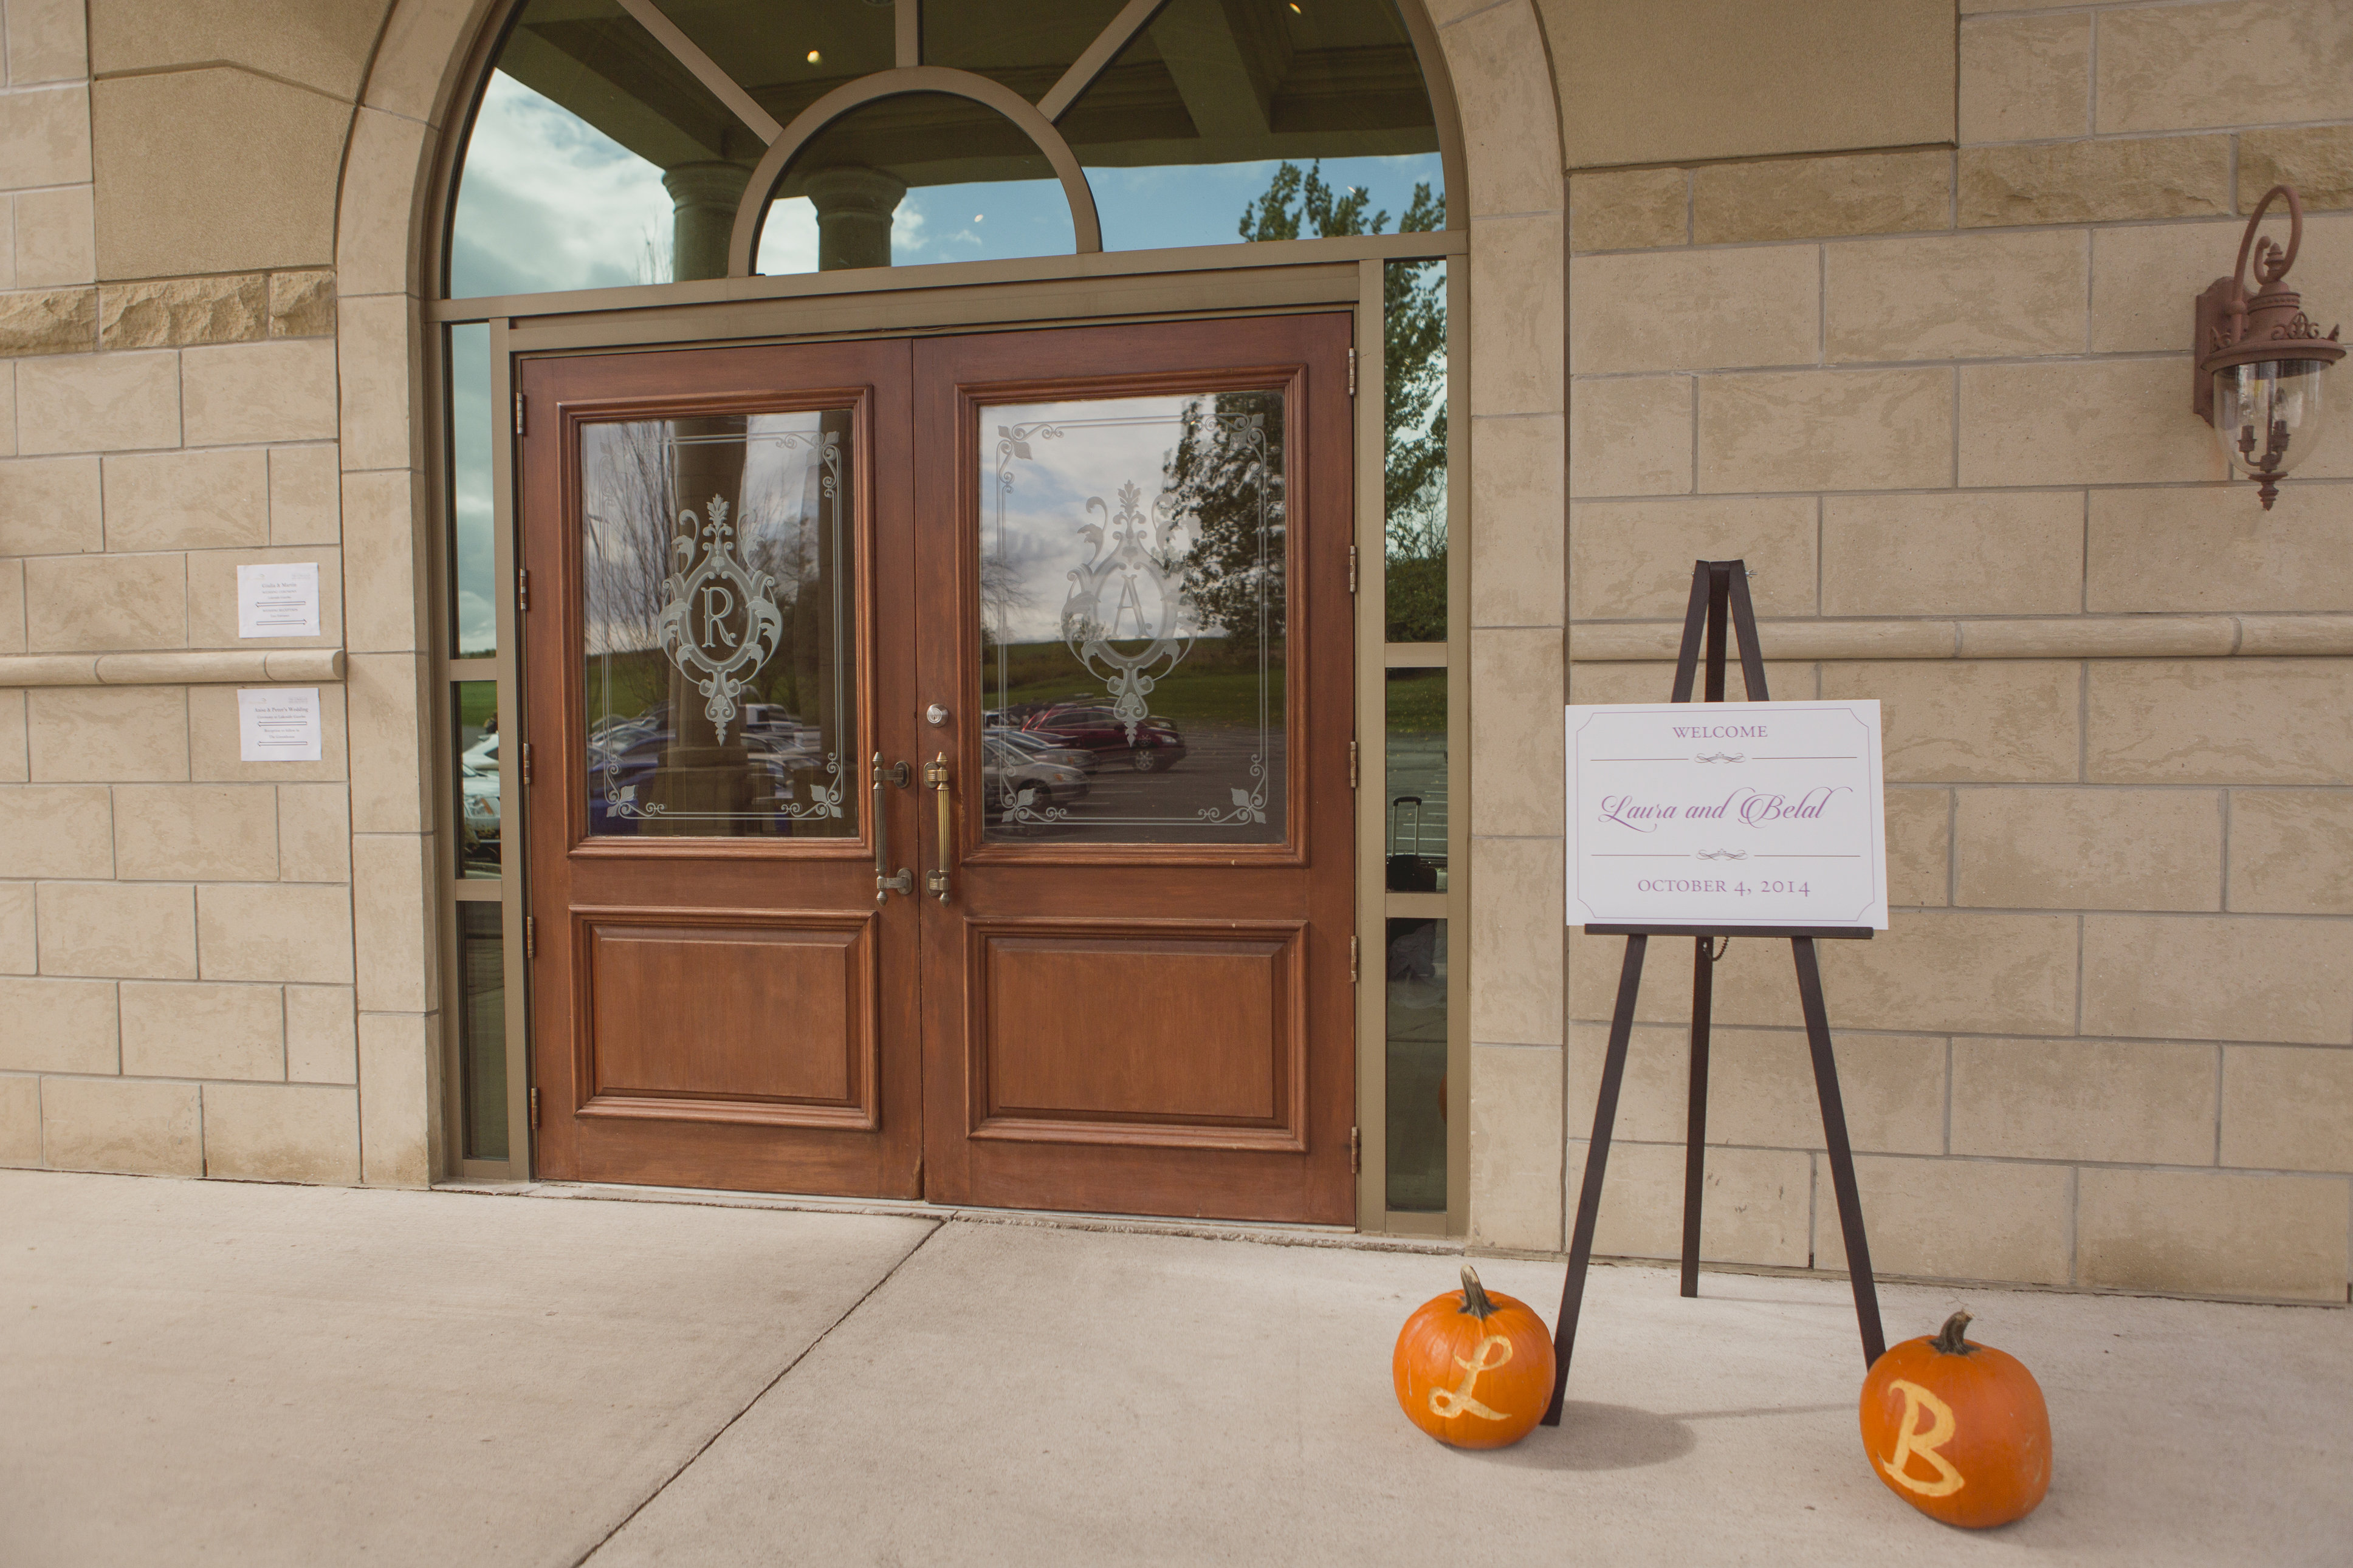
<point>548,202</point>
<point>627,547</point>
<point>473,546</point>
<point>1032,536</point>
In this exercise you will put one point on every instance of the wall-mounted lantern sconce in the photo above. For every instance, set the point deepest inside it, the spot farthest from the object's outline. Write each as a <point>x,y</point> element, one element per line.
<point>2260,358</point>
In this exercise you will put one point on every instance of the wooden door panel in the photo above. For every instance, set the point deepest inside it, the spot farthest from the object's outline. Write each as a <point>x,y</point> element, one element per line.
<point>1171,1035</point>
<point>731,1017</point>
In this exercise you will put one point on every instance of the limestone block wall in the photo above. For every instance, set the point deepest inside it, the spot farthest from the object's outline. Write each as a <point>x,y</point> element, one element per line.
<point>1940,400</point>
<point>185,985</point>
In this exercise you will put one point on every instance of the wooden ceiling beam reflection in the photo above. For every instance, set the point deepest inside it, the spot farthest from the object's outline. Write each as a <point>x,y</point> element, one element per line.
<point>1132,20</point>
<point>706,70</point>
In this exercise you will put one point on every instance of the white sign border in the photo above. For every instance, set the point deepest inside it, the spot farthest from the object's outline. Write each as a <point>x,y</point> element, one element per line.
<point>1875,917</point>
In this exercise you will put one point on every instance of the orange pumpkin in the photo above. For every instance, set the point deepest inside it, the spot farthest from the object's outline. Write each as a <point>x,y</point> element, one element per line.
<point>1473,1368</point>
<point>1958,1430</point>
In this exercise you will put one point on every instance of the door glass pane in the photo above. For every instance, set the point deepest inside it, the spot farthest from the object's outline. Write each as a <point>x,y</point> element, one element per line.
<point>718,561</point>
<point>1416,781</point>
<point>1413,486</point>
<point>1133,595</point>
<point>474,714</point>
<point>483,1002</point>
<point>1417,1061</point>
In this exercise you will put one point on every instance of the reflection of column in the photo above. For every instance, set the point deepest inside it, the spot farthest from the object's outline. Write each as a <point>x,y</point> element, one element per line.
<point>853,214</point>
<point>705,788</point>
<point>703,198</point>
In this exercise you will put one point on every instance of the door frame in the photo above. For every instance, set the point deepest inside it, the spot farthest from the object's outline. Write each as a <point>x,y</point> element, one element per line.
<point>1051,292</point>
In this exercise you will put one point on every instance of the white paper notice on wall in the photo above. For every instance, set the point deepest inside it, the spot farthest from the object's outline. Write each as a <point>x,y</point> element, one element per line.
<point>1727,814</point>
<point>279,601</point>
<point>278,725</point>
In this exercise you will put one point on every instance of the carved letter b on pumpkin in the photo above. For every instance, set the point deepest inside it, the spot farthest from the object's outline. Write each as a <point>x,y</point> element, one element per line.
<point>1911,1440</point>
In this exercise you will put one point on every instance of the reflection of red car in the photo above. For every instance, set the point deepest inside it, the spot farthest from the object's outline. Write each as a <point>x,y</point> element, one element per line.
<point>1157,745</point>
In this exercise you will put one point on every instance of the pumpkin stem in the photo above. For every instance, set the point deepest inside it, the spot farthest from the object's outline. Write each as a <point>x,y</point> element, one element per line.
<point>1475,1299</point>
<point>1948,1340</point>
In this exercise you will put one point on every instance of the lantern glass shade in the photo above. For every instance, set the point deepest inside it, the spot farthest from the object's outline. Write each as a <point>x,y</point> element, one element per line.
<point>2268,413</point>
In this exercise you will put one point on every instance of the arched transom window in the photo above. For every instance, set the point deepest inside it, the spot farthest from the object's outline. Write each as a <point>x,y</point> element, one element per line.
<point>624,141</point>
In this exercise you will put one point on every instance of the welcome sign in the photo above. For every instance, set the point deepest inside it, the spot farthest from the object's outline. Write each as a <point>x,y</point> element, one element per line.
<point>1723,813</point>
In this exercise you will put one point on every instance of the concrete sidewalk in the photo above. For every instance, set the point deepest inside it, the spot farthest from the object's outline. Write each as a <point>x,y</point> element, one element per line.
<point>197,1373</point>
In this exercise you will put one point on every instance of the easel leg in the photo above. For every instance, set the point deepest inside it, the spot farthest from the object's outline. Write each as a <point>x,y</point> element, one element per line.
<point>1696,1123</point>
<point>1849,1200</point>
<point>1596,1157</point>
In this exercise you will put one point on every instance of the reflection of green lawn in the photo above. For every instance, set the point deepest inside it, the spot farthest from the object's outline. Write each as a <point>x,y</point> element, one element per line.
<point>1416,702</point>
<point>1213,686</point>
<point>1208,697</point>
<point>478,703</point>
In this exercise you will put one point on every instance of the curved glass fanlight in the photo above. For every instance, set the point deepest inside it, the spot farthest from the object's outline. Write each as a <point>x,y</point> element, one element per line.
<point>613,141</point>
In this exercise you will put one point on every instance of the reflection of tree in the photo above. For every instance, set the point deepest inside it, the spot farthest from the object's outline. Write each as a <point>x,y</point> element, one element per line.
<point>1414,360</point>
<point>1003,595</point>
<point>632,477</point>
<point>1224,477</point>
<point>632,547</point>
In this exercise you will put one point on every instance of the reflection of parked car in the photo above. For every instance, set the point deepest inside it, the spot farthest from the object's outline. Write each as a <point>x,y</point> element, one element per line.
<point>484,752</point>
<point>1045,749</point>
<point>1096,729</point>
<point>477,795</point>
<point>1006,772</point>
<point>619,780</point>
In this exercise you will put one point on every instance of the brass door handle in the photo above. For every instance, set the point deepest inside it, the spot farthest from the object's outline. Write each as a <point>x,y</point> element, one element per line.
<point>885,883</point>
<point>935,773</point>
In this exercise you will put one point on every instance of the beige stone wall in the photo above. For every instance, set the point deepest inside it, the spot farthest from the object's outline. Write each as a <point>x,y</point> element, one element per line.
<point>185,983</point>
<point>1940,400</point>
<point>1936,396</point>
<point>1646,81</point>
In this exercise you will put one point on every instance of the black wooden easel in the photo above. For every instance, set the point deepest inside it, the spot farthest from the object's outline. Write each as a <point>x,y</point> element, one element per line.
<point>1719,592</point>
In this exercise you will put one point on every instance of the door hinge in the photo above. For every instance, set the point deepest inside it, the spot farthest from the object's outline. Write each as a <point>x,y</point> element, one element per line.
<point>1352,390</point>
<point>530,936</point>
<point>1351,569</point>
<point>519,420</point>
<point>526,762</point>
<point>1352,764</point>
<point>522,591</point>
<point>534,1108</point>
<point>1352,946</point>
<point>1355,1152</point>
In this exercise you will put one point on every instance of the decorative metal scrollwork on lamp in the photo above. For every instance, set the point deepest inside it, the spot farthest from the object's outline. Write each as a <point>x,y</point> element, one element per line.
<point>2260,358</point>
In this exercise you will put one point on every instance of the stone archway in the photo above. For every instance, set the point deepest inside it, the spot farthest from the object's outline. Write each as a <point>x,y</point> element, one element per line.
<point>1506,188</point>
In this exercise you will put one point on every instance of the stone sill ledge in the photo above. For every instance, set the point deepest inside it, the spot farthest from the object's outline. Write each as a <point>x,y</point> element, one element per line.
<point>2084,636</point>
<point>190,667</point>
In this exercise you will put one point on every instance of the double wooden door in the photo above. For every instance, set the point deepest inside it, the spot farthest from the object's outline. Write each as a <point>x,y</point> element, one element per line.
<point>941,755</point>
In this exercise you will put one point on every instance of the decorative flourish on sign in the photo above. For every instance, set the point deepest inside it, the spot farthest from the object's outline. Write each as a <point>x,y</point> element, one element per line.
<point>699,625</point>
<point>1721,854</point>
<point>1120,618</point>
<point>1720,757</point>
